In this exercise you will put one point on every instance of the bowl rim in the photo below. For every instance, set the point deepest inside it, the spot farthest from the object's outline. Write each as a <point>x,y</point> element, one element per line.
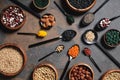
<point>22,52</point>
<point>104,38</point>
<point>109,71</point>
<point>16,27</point>
<point>41,8</point>
<point>48,65</point>
<point>81,10</point>
<point>82,64</point>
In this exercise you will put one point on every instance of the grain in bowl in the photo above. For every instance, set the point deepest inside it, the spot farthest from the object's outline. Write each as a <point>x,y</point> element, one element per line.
<point>45,72</point>
<point>11,60</point>
<point>111,75</point>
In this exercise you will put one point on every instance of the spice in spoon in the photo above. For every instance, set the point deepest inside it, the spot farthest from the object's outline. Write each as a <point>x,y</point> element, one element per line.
<point>40,33</point>
<point>74,51</point>
<point>58,49</point>
<point>87,52</point>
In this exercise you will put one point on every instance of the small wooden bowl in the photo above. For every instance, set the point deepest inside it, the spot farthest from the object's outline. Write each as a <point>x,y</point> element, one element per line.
<point>22,53</point>
<point>108,45</point>
<point>108,72</point>
<point>16,27</point>
<point>46,65</point>
<point>80,10</point>
<point>41,8</point>
<point>84,65</point>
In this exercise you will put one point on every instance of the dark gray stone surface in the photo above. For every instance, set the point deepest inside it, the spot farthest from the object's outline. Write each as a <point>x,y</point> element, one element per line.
<point>111,9</point>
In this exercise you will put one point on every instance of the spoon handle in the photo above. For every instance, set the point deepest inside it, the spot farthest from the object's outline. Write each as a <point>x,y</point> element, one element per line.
<point>65,69</point>
<point>22,33</point>
<point>60,8</point>
<point>114,18</point>
<point>100,6</point>
<point>43,42</point>
<point>92,60</point>
<point>108,55</point>
<point>26,8</point>
<point>46,56</point>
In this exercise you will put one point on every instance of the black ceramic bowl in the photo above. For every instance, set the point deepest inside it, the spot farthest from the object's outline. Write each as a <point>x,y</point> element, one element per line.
<point>47,21</point>
<point>93,36</point>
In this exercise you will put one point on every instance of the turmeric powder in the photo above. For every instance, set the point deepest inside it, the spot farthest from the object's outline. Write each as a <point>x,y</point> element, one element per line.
<point>74,51</point>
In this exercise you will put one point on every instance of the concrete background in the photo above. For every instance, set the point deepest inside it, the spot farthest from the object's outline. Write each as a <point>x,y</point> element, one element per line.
<point>111,9</point>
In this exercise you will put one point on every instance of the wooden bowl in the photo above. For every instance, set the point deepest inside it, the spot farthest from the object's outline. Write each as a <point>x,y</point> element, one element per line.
<point>22,54</point>
<point>105,39</point>
<point>108,74</point>
<point>78,9</point>
<point>39,7</point>
<point>18,23</point>
<point>79,71</point>
<point>43,66</point>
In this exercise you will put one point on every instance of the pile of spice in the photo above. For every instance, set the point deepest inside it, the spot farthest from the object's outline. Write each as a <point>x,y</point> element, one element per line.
<point>42,33</point>
<point>81,4</point>
<point>104,23</point>
<point>112,37</point>
<point>41,3</point>
<point>90,36</point>
<point>74,51</point>
<point>11,60</point>
<point>12,16</point>
<point>47,21</point>
<point>59,48</point>
<point>88,18</point>
<point>112,76</point>
<point>44,73</point>
<point>81,72</point>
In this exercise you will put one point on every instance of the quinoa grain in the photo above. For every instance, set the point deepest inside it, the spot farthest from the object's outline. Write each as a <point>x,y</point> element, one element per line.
<point>11,61</point>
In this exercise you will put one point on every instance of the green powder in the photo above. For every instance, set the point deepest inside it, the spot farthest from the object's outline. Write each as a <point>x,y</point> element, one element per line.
<point>41,3</point>
<point>113,37</point>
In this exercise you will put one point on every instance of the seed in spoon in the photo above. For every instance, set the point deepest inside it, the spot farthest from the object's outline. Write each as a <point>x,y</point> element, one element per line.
<point>88,18</point>
<point>74,51</point>
<point>59,48</point>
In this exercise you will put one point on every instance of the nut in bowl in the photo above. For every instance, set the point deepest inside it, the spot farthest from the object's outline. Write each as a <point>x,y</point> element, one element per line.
<point>81,71</point>
<point>12,18</point>
<point>80,5</point>
<point>12,59</point>
<point>45,72</point>
<point>47,21</point>
<point>41,4</point>
<point>112,38</point>
<point>111,75</point>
